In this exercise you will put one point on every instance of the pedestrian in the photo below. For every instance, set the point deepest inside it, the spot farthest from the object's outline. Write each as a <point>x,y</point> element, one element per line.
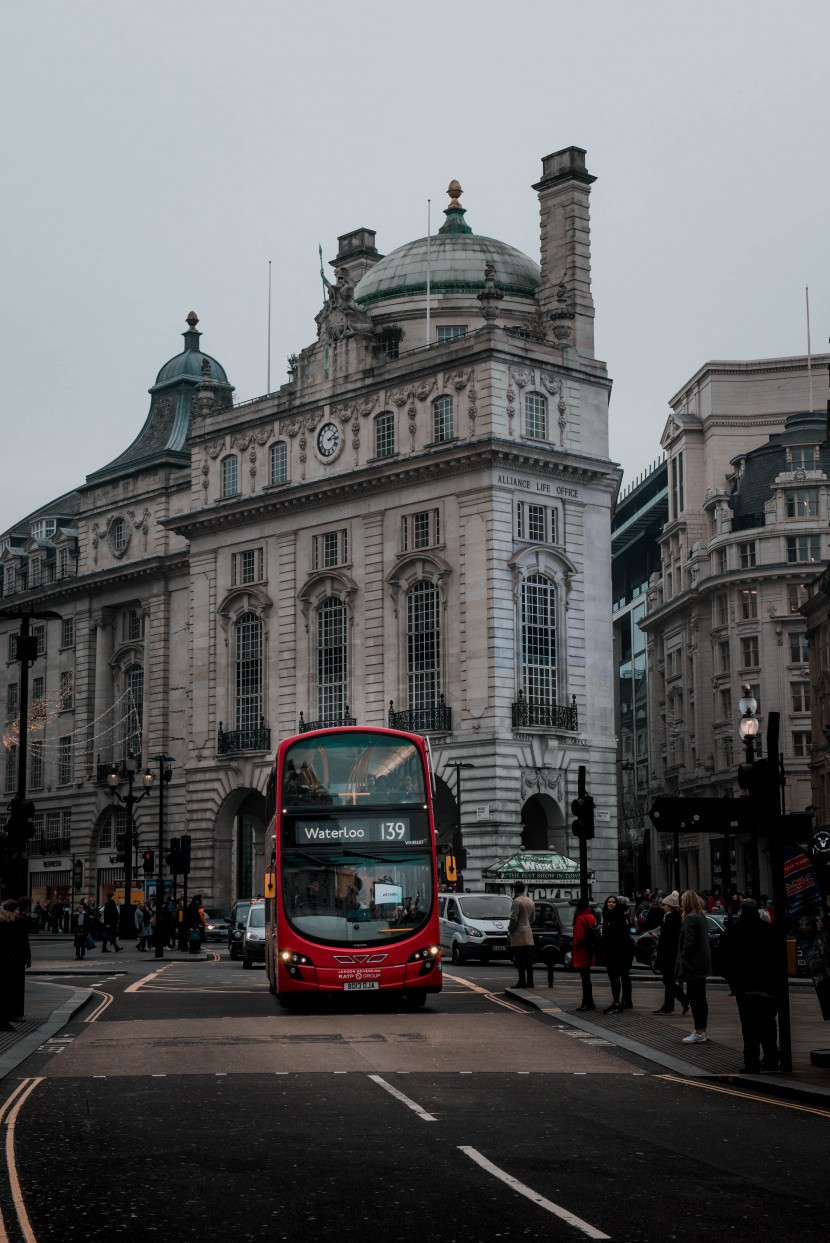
<point>21,958</point>
<point>81,929</point>
<point>694,963</point>
<point>618,952</point>
<point>138,919</point>
<point>194,922</point>
<point>748,961</point>
<point>653,917</point>
<point>110,925</point>
<point>7,947</point>
<point>146,929</point>
<point>520,929</point>
<point>582,950</point>
<point>665,955</point>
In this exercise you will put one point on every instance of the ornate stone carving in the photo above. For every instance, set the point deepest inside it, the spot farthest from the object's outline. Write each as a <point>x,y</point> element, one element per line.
<point>215,447</point>
<point>522,376</point>
<point>472,398</point>
<point>550,382</point>
<point>241,440</point>
<point>293,428</point>
<point>490,297</point>
<point>341,317</point>
<point>457,379</point>
<point>423,388</point>
<point>540,781</point>
<point>562,316</point>
<point>263,435</point>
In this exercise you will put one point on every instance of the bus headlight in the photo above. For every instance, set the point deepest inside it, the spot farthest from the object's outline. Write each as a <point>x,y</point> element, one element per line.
<point>291,958</point>
<point>430,953</point>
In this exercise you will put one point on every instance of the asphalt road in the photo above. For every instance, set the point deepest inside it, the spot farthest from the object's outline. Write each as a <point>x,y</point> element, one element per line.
<point>182,1102</point>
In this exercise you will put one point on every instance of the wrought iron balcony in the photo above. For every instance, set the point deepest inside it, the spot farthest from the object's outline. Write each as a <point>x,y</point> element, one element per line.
<point>255,738</point>
<point>327,722</point>
<point>437,719</point>
<point>527,714</point>
<point>50,846</point>
<point>102,771</point>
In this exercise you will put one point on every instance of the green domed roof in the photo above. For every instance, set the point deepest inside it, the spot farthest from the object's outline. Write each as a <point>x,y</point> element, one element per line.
<point>457,258</point>
<point>189,364</point>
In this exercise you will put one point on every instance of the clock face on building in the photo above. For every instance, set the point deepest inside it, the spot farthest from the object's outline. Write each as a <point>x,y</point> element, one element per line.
<point>328,440</point>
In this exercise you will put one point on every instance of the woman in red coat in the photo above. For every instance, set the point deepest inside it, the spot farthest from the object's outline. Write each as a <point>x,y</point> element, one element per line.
<point>581,951</point>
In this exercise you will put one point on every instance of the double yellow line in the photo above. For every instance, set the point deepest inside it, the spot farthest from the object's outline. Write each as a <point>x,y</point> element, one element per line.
<point>8,1116</point>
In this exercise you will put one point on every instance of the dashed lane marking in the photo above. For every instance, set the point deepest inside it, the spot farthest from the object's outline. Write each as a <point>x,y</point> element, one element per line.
<point>405,1100</point>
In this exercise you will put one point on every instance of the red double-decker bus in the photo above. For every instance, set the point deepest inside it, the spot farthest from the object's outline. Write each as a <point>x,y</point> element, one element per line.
<point>350,865</point>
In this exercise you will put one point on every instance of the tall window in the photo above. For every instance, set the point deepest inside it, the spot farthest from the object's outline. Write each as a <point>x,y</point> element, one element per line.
<point>421,530</point>
<point>801,503</point>
<point>804,458</point>
<point>248,671</point>
<point>68,632</point>
<point>748,555</point>
<point>677,485</point>
<point>135,710</point>
<point>749,652</point>
<point>539,640</point>
<point>11,699</point>
<point>246,567</point>
<point>10,782</point>
<point>34,571</point>
<point>132,625</point>
<point>536,416</point>
<point>536,523</point>
<point>65,689</point>
<point>330,549</point>
<point>749,603</point>
<point>385,434</point>
<point>803,548</point>
<point>279,462</point>
<point>442,419</point>
<point>721,609</point>
<point>331,659</point>
<point>230,475</point>
<point>800,692</point>
<point>36,766</point>
<point>799,649</point>
<point>65,760</point>
<point>802,739</point>
<point>423,645</point>
<point>724,656</point>
<point>39,633</point>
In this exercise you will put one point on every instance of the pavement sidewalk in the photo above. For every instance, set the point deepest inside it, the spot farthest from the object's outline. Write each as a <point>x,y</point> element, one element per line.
<point>659,1039</point>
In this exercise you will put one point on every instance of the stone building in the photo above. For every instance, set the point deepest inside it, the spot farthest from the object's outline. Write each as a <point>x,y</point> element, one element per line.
<point>749,505</point>
<point>414,530</point>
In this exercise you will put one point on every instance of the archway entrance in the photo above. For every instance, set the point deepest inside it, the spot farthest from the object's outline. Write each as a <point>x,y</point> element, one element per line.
<point>543,826</point>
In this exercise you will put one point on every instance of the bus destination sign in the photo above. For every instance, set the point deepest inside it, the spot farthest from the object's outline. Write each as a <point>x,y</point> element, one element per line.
<point>390,829</point>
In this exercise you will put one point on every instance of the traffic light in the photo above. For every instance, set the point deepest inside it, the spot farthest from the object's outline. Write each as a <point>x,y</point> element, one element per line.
<point>173,858</point>
<point>149,860</point>
<point>21,823</point>
<point>583,809</point>
<point>450,869</point>
<point>756,778</point>
<point>184,854</point>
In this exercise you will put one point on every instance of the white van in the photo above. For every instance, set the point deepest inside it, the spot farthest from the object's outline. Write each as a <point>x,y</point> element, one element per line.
<point>474,925</point>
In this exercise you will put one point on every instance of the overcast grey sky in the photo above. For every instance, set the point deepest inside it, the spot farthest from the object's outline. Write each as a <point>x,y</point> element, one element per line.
<point>156,155</point>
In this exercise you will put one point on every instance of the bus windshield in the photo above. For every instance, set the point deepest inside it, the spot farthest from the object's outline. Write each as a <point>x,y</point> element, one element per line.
<point>357,769</point>
<point>345,897</point>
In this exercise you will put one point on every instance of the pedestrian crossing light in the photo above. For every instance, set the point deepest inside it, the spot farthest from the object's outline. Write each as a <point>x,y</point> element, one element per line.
<point>149,859</point>
<point>450,870</point>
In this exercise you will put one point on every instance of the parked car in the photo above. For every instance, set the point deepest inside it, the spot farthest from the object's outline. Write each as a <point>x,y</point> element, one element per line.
<point>216,924</point>
<point>474,925</point>
<point>645,947</point>
<point>236,926</point>
<point>253,940</point>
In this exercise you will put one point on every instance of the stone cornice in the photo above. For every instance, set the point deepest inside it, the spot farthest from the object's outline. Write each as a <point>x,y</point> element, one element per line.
<point>94,583</point>
<point>420,468</point>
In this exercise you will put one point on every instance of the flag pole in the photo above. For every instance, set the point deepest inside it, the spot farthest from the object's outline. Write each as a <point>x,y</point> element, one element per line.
<point>429,205</point>
<point>268,389</point>
<point>809,350</point>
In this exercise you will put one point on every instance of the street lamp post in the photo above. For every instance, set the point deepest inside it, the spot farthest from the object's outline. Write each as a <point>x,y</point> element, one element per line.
<point>131,766</point>
<point>165,763</point>
<point>748,727</point>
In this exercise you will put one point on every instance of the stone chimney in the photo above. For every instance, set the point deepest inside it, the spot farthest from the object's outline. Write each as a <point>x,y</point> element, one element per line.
<point>565,293</point>
<point>357,253</point>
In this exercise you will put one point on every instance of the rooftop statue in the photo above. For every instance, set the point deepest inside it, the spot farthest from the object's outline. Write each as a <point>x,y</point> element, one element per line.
<point>341,316</point>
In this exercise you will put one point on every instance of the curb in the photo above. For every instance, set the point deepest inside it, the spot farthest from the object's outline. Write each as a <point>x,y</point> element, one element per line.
<point>59,1017</point>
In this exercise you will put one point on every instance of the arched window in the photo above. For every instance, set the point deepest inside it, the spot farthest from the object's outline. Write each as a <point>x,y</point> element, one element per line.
<point>536,416</point>
<point>279,462</point>
<point>248,632</point>
<point>442,419</point>
<point>423,645</point>
<point>331,659</point>
<point>230,475</point>
<point>538,623</point>
<point>385,434</point>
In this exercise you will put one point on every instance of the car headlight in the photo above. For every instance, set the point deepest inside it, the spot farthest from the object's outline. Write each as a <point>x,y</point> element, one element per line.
<point>473,932</point>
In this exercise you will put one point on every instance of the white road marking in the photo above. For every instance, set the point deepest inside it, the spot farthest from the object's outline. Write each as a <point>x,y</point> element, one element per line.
<point>410,1104</point>
<point>530,1194</point>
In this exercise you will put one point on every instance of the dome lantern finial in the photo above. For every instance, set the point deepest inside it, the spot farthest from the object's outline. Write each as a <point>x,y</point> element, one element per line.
<point>455,212</point>
<point>191,337</point>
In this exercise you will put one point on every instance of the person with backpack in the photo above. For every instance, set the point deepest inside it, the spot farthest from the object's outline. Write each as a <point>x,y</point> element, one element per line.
<point>582,950</point>
<point>618,952</point>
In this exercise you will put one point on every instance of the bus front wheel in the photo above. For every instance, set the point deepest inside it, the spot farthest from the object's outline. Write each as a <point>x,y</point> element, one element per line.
<point>413,1001</point>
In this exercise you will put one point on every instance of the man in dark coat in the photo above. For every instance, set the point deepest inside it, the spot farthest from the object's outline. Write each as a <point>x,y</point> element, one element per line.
<point>748,960</point>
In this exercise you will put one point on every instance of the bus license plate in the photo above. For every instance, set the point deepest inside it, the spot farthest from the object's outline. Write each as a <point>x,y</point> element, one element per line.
<point>354,986</point>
